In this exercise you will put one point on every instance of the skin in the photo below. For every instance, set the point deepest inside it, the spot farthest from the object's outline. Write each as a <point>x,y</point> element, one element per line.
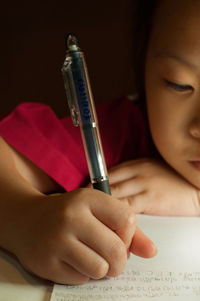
<point>67,238</point>
<point>173,111</point>
<point>172,77</point>
<point>55,236</point>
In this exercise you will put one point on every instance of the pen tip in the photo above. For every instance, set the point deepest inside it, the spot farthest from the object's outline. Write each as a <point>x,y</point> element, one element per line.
<point>71,42</point>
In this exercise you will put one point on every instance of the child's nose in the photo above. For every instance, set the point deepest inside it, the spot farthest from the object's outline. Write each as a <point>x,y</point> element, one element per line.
<point>194,128</point>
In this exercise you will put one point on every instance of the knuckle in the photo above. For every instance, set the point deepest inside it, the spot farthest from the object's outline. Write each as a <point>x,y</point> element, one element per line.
<point>119,258</point>
<point>131,220</point>
<point>114,190</point>
<point>64,222</point>
<point>128,211</point>
<point>100,269</point>
<point>68,214</point>
<point>148,163</point>
<point>118,250</point>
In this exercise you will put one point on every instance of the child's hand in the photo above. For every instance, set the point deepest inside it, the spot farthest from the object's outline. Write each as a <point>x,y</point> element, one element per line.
<point>75,236</point>
<point>152,187</point>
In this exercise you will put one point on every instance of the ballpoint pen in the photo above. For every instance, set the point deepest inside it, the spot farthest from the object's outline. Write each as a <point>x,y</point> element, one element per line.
<point>81,105</point>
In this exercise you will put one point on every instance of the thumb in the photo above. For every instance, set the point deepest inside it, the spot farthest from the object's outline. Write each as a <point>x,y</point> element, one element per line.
<point>142,246</point>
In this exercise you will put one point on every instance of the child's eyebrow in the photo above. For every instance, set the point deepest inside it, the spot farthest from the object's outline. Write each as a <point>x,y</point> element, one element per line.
<point>168,54</point>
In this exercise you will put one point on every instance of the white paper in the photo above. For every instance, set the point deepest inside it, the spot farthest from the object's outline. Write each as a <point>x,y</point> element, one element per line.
<point>173,274</point>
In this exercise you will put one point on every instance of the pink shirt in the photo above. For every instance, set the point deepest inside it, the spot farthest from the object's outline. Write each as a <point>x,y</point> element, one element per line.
<point>55,145</point>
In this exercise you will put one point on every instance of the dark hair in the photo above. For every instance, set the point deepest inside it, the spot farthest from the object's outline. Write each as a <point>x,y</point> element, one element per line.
<point>143,12</point>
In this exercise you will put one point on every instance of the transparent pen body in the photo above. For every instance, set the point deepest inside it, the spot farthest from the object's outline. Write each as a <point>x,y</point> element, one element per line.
<point>83,113</point>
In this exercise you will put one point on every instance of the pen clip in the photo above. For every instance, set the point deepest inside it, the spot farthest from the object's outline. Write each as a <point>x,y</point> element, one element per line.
<point>70,90</point>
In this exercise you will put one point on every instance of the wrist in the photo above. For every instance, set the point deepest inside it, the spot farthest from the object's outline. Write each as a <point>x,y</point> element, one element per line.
<point>15,215</point>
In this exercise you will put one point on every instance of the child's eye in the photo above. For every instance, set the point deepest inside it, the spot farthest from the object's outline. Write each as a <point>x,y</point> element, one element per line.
<point>179,87</point>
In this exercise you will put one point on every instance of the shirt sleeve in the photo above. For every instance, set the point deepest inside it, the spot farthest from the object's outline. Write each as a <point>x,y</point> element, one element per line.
<point>55,145</point>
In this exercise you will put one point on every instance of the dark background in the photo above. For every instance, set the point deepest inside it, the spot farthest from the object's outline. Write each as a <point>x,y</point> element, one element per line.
<point>33,50</point>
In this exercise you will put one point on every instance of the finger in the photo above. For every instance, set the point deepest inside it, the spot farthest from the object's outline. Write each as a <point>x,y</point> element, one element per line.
<point>118,216</point>
<point>58,272</point>
<point>108,245</point>
<point>126,233</point>
<point>122,172</point>
<point>139,202</point>
<point>111,211</point>
<point>127,188</point>
<point>83,258</point>
<point>66,274</point>
<point>142,246</point>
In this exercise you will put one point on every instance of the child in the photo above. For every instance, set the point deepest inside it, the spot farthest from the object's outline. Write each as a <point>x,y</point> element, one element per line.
<point>84,233</point>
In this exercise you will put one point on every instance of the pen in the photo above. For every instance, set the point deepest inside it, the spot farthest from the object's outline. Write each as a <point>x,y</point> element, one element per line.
<point>81,105</point>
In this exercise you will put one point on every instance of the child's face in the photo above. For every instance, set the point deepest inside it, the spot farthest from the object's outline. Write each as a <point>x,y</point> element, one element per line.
<point>172,79</point>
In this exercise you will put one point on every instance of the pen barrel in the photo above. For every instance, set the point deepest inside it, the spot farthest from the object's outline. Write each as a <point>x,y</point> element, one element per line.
<point>88,122</point>
<point>94,153</point>
<point>103,186</point>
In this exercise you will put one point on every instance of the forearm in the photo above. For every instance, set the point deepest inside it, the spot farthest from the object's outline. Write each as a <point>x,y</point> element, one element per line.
<point>27,169</point>
<point>14,180</point>
<point>16,193</point>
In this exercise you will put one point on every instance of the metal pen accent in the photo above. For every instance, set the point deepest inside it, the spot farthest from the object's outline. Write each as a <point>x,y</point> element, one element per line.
<point>81,105</point>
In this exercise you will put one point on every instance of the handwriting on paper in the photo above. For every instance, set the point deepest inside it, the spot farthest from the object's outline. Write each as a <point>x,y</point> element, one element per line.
<point>132,284</point>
